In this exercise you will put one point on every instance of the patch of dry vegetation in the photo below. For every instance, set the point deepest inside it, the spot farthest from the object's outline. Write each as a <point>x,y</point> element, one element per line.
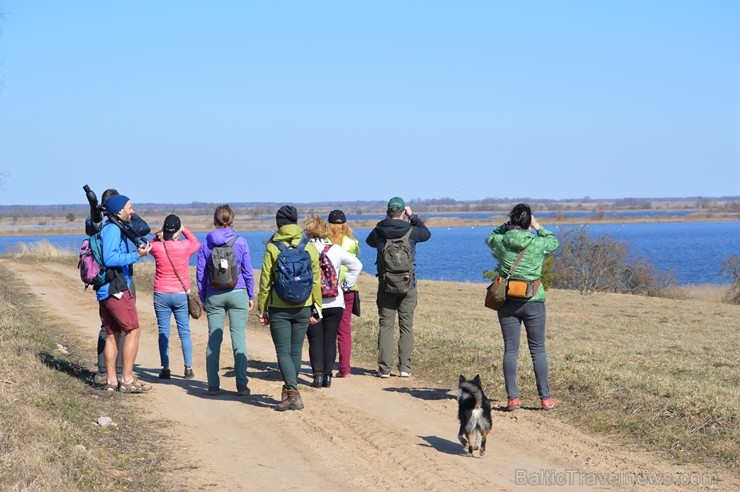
<point>49,439</point>
<point>659,373</point>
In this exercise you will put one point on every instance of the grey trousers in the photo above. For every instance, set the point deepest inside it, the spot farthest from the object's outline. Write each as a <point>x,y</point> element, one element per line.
<point>511,316</point>
<point>388,306</point>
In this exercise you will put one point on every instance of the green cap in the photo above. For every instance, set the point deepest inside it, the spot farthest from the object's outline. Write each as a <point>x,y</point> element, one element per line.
<point>396,204</point>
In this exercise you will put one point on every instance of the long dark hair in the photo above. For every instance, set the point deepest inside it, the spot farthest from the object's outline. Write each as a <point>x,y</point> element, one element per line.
<point>521,216</point>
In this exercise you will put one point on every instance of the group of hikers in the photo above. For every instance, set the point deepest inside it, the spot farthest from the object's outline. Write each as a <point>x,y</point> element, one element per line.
<point>307,290</point>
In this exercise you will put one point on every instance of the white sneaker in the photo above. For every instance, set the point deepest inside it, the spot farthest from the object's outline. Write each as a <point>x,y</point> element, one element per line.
<point>405,374</point>
<point>384,375</point>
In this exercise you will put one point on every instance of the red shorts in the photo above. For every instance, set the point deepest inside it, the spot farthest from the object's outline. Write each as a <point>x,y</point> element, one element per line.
<point>119,314</point>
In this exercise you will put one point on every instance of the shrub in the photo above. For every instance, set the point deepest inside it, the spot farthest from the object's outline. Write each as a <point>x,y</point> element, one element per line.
<point>731,269</point>
<point>600,264</point>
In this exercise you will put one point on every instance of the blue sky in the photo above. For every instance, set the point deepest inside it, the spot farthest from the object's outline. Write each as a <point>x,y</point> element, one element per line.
<point>303,101</point>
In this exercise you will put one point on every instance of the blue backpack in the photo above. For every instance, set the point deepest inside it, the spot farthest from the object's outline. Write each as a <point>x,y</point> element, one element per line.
<point>293,272</point>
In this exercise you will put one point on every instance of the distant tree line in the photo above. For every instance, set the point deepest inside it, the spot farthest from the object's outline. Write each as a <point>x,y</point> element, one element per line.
<point>435,205</point>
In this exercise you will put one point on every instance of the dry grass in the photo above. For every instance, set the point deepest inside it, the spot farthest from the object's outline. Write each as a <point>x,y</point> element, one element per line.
<point>40,250</point>
<point>49,439</point>
<point>661,373</point>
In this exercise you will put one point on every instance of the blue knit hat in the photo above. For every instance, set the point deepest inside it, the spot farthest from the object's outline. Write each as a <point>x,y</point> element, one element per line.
<point>116,203</point>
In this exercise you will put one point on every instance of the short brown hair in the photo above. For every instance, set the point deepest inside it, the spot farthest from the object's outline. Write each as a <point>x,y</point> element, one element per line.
<point>223,216</point>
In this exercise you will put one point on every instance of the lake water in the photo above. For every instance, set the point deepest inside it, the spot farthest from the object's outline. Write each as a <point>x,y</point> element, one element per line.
<point>693,251</point>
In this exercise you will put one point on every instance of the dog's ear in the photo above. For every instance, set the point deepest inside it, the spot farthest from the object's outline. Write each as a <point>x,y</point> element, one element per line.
<point>462,379</point>
<point>476,379</point>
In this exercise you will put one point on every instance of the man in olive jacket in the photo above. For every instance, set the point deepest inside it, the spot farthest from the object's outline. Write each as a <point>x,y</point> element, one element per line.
<point>399,221</point>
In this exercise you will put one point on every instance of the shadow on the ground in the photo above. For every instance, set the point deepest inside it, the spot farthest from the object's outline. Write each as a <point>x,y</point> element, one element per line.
<point>425,393</point>
<point>443,445</point>
<point>71,368</point>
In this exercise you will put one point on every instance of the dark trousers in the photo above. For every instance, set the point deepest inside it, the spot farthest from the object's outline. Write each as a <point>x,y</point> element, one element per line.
<point>390,305</point>
<point>322,340</point>
<point>288,330</point>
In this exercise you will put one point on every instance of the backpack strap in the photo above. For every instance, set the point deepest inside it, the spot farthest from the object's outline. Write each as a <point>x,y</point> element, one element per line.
<point>518,259</point>
<point>282,247</point>
<point>174,269</point>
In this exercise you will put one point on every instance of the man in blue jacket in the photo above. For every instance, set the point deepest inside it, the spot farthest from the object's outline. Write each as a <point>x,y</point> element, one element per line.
<point>401,225</point>
<point>117,302</point>
<point>93,224</point>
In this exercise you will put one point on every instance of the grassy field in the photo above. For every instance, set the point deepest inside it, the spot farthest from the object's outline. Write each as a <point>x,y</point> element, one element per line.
<point>658,373</point>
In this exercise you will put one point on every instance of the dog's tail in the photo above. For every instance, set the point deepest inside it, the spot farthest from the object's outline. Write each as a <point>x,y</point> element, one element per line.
<point>473,390</point>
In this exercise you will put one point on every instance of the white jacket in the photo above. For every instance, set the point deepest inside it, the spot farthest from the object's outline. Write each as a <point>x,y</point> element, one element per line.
<point>339,257</point>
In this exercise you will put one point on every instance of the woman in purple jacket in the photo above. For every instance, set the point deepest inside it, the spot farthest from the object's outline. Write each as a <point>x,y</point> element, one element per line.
<point>219,301</point>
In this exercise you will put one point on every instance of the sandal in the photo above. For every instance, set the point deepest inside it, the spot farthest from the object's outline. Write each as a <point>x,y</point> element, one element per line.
<point>141,384</point>
<point>110,388</point>
<point>129,388</point>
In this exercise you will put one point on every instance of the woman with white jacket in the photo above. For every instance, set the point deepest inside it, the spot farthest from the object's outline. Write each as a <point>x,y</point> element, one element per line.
<point>322,337</point>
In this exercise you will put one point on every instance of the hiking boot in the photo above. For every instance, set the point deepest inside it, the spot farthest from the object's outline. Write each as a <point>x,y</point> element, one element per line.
<point>189,373</point>
<point>165,373</point>
<point>101,378</point>
<point>243,390</point>
<point>514,404</point>
<point>214,391</point>
<point>284,395</point>
<point>549,403</point>
<point>318,380</point>
<point>297,402</point>
<point>292,402</point>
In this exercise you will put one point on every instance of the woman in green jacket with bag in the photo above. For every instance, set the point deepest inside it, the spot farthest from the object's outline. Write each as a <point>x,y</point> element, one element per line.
<point>507,242</point>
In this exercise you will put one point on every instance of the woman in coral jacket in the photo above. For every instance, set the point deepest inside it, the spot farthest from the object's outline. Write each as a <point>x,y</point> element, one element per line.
<point>172,248</point>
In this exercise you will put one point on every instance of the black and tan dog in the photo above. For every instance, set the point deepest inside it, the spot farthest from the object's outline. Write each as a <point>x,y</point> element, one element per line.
<point>474,412</point>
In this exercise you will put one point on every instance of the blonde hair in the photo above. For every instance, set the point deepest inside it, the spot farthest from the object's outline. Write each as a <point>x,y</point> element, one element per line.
<point>316,227</point>
<point>338,231</point>
<point>223,216</point>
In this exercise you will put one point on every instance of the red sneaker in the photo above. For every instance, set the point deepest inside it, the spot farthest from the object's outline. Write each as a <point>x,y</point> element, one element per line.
<point>549,403</point>
<point>514,404</point>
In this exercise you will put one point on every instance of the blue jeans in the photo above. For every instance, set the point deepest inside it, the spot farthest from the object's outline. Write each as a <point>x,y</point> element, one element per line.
<point>288,328</point>
<point>235,303</point>
<point>164,306</point>
<point>511,316</point>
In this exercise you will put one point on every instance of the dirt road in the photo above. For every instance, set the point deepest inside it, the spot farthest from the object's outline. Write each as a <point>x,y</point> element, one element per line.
<point>363,433</point>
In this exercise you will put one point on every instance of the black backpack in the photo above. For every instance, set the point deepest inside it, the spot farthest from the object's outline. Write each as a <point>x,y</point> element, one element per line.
<point>396,265</point>
<point>223,267</point>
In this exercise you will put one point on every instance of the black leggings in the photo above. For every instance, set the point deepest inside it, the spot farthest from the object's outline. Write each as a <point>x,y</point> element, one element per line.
<point>322,340</point>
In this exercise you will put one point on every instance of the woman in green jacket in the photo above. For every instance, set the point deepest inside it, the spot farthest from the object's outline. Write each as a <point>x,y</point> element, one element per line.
<point>288,322</point>
<point>341,233</point>
<point>507,241</point>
